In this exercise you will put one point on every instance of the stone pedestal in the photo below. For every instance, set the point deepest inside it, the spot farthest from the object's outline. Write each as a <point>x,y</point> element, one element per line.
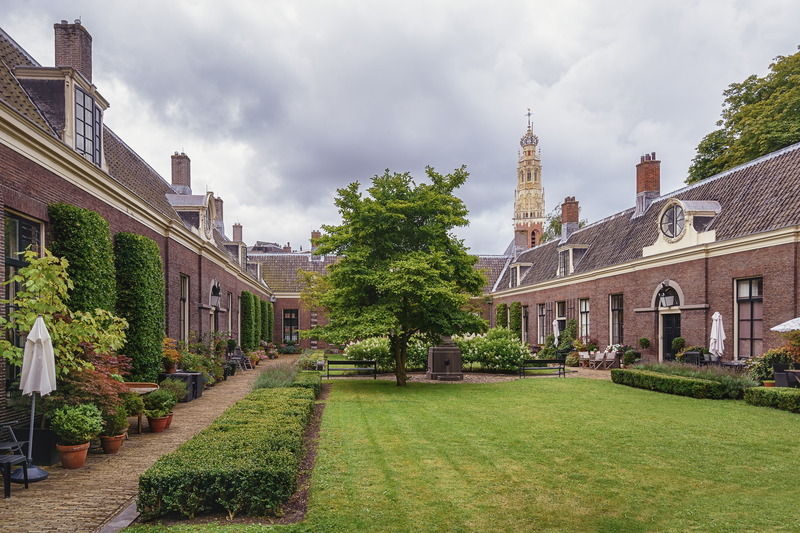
<point>444,362</point>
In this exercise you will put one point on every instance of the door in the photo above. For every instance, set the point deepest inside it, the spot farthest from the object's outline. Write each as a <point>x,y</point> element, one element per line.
<point>670,330</point>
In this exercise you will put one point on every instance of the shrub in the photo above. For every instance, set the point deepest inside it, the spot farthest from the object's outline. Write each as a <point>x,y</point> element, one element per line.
<point>158,403</point>
<point>678,344</point>
<point>176,387</point>
<point>734,382</point>
<point>140,300</point>
<point>682,386</point>
<point>77,425</point>
<point>629,358</point>
<point>375,348</point>
<point>501,316</point>
<point>271,321</point>
<point>572,359</point>
<point>245,462</point>
<point>417,353</point>
<point>265,321</point>
<point>84,239</point>
<point>248,322</point>
<point>231,345</point>
<point>256,322</point>
<point>115,423</point>
<point>308,360</point>
<point>515,319</point>
<point>644,343</point>
<point>567,336</point>
<point>503,350</point>
<point>472,348</point>
<point>760,368</point>
<point>275,376</point>
<point>132,403</point>
<point>309,380</point>
<point>785,399</point>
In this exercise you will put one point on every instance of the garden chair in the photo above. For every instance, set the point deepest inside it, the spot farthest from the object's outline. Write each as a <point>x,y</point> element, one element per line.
<point>608,361</point>
<point>584,359</point>
<point>242,361</point>
<point>9,442</point>
<point>598,360</point>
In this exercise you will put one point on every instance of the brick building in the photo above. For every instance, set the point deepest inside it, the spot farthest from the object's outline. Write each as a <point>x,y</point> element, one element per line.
<point>726,244</point>
<point>54,147</point>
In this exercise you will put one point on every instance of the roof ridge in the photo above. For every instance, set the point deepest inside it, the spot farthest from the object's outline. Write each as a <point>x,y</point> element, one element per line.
<point>132,151</point>
<point>21,50</point>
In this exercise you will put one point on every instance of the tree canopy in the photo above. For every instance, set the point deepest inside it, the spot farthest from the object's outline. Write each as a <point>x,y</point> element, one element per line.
<point>401,270</point>
<point>552,225</point>
<point>759,116</point>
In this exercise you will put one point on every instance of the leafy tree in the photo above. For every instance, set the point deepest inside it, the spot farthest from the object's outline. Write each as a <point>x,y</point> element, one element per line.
<point>552,225</point>
<point>759,116</point>
<point>401,271</point>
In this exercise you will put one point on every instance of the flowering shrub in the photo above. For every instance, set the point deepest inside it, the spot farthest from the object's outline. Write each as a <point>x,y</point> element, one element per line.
<point>472,348</point>
<point>257,354</point>
<point>503,350</point>
<point>417,353</point>
<point>375,348</point>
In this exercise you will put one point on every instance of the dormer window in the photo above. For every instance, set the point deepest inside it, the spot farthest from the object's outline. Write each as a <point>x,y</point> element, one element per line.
<point>672,221</point>
<point>88,128</point>
<point>563,263</point>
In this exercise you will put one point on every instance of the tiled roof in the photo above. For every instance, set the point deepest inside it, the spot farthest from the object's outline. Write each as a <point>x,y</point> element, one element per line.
<point>13,93</point>
<point>759,196</point>
<point>280,270</point>
<point>492,266</point>
<point>13,54</point>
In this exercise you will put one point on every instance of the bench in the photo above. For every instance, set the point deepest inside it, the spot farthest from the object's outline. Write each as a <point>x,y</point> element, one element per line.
<point>543,364</point>
<point>352,366</point>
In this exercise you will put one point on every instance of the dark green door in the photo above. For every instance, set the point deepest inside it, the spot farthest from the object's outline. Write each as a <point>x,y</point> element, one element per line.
<point>671,329</point>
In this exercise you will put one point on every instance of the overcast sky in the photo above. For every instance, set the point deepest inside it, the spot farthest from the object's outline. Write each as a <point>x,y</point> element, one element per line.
<point>278,104</point>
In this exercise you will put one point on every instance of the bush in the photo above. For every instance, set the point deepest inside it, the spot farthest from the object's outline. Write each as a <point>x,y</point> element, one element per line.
<point>760,368</point>
<point>417,353</point>
<point>248,322</point>
<point>275,376</point>
<point>309,380</point>
<point>785,399</point>
<point>502,350</point>
<point>245,462</point>
<point>115,424</point>
<point>140,300</point>
<point>734,382</point>
<point>132,403</point>
<point>77,425</point>
<point>176,387</point>
<point>678,344</point>
<point>515,319</point>
<point>572,359</point>
<point>567,336</point>
<point>644,343</point>
<point>682,386</point>
<point>265,321</point>
<point>472,348</point>
<point>84,239</point>
<point>308,360</point>
<point>629,358</point>
<point>501,316</point>
<point>256,322</point>
<point>270,321</point>
<point>158,403</point>
<point>375,348</point>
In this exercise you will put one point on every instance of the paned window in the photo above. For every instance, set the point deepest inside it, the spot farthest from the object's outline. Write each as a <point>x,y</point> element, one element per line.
<point>563,263</point>
<point>88,127</point>
<point>616,319</point>
<point>561,316</point>
<point>750,301</point>
<point>583,308</point>
<point>542,322</point>
<point>183,323</point>
<point>291,324</point>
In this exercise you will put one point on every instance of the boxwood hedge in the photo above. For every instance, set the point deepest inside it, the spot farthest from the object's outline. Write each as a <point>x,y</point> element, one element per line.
<point>245,462</point>
<point>682,386</point>
<point>784,398</point>
<point>84,238</point>
<point>271,318</point>
<point>248,322</point>
<point>256,322</point>
<point>309,380</point>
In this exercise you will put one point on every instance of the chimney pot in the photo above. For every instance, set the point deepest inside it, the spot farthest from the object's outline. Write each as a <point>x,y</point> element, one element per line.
<point>64,22</point>
<point>237,232</point>
<point>73,46</point>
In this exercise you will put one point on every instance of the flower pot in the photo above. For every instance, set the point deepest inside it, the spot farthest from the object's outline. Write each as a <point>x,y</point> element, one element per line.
<point>169,420</point>
<point>73,456</point>
<point>157,425</point>
<point>111,444</point>
<point>769,383</point>
<point>170,368</point>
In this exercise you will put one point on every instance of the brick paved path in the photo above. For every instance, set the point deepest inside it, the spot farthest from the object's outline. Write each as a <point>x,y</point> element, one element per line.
<point>86,499</point>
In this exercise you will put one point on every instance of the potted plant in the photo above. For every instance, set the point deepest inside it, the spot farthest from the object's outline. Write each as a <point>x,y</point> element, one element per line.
<point>629,358</point>
<point>769,382</point>
<point>157,406</point>
<point>114,430</point>
<point>76,426</point>
<point>644,343</point>
<point>178,389</point>
<point>678,344</point>
<point>170,355</point>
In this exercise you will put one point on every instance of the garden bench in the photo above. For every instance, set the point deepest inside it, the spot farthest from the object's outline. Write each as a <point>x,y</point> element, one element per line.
<point>543,364</point>
<point>365,367</point>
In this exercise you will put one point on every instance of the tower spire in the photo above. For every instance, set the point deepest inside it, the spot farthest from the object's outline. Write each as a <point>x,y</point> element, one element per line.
<point>529,195</point>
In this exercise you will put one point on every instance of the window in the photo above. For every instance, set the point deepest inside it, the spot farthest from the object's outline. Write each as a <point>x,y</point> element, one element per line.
<point>525,324</point>
<point>616,319</point>
<point>529,175</point>
<point>184,308</point>
<point>542,321</point>
<point>230,312</point>
<point>88,127</point>
<point>583,308</point>
<point>561,316</point>
<point>563,263</point>
<point>672,221</point>
<point>290,324</point>
<point>750,302</point>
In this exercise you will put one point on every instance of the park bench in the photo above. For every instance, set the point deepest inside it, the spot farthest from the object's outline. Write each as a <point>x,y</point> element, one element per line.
<point>355,366</point>
<point>543,364</point>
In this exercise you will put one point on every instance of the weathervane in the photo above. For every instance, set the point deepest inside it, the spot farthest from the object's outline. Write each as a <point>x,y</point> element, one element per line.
<point>529,117</point>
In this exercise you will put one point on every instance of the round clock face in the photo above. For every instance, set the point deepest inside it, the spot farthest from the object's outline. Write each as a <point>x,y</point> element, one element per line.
<point>672,221</point>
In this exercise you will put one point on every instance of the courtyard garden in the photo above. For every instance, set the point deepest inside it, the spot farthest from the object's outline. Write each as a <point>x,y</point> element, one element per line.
<point>544,455</point>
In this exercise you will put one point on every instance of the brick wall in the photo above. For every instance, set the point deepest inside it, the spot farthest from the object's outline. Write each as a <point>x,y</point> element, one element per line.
<point>648,174</point>
<point>74,48</point>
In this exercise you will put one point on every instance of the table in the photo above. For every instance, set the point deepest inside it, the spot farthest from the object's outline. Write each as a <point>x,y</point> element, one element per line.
<point>141,388</point>
<point>794,373</point>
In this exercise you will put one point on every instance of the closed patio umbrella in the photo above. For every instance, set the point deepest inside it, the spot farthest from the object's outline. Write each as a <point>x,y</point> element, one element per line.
<point>555,330</point>
<point>38,375</point>
<point>717,344</point>
<point>790,325</point>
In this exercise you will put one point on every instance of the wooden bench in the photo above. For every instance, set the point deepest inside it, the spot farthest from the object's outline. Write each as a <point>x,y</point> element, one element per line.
<point>365,367</point>
<point>543,364</point>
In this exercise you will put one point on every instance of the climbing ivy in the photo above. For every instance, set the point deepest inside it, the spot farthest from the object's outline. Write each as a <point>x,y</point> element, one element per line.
<point>515,319</point>
<point>501,316</point>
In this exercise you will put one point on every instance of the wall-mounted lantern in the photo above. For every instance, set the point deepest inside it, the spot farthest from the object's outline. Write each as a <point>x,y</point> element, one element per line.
<point>215,290</point>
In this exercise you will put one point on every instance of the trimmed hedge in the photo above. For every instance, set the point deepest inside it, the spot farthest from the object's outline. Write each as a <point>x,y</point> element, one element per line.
<point>692,387</point>
<point>140,301</point>
<point>515,319</point>
<point>84,239</point>
<point>256,322</point>
<point>248,320</point>
<point>265,321</point>
<point>271,318</point>
<point>246,461</point>
<point>501,316</point>
<point>783,398</point>
<point>309,380</point>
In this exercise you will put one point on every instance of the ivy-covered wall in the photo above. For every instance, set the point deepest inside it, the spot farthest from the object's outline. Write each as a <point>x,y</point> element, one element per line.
<point>271,317</point>
<point>84,239</point>
<point>248,318</point>
<point>140,300</point>
<point>256,321</point>
<point>501,316</point>
<point>265,329</point>
<point>515,319</point>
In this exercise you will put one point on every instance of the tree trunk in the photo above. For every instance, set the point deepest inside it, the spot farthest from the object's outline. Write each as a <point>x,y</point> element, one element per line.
<point>400,359</point>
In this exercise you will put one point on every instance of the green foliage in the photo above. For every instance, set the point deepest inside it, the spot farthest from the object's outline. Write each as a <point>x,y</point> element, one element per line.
<point>417,355</point>
<point>501,315</point>
<point>248,319</point>
<point>515,319</point>
<point>132,403</point>
<point>309,380</point>
<point>760,368</point>
<point>115,423</point>
<point>256,322</point>
<point>783,398</point>
<point>159,403</point>
<point>176,387</point>
<point>44,286</point>
<point>275,376</point>
<point>549,349</point>
<point>265,329</point>
<point>644,343</point>
<point>244,463</point>
<point>83,238</point>
<point>679,385</point>
<point>567,337</point>
<point>140,300</point>
<point>271,324</point>
<point>552,225</point>
<point>77,424</point>
<point>231,345</point>
<point>502,350</point>
<point>372,349</point>
<point>734,383</point>
<point>629,358</point>
<point>402,271</point>
<point>759,116</point>
<point>572,359</point>
<point>678,344</point>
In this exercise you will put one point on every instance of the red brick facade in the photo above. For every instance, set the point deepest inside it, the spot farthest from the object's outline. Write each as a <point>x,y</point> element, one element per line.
<point>648,174</point>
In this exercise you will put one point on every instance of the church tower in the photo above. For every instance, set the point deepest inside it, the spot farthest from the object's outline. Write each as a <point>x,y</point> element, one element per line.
<point>529,196</point>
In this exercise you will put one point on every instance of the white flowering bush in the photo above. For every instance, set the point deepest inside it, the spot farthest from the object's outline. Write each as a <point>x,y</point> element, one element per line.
<point>472,348</point>
<point>375,348</point>
<point>503,350</point>
<point>417,353</point>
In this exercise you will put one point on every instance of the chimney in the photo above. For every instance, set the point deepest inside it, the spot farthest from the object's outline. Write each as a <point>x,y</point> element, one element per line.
<point>218,220</point>
<point>315,234</point>
<point>237,233</point>
<point>570,215</point>
<point>520,242</point>
<point>648,183</point>
<point>74,48</point>
<point>181,173</point>
<point>287,249</point>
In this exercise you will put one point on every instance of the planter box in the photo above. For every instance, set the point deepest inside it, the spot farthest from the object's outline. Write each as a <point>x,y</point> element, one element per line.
<point>44,451</point>
<point>191,379</point>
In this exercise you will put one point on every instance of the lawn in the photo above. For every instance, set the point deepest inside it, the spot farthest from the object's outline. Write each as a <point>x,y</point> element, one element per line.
<point>548,455</point>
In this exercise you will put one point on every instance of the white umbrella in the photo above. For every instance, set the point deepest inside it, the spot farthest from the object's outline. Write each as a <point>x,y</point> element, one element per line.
<point>717,344</point>
<point>555,330</point>
<point>791,325</point>
<point>38,375</point>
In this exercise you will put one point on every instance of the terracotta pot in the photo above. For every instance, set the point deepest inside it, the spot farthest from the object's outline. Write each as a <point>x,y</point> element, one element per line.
<point>111,444</point>
<point>769,383</point>
<point>169,420</point>
<point>157,425</point>
<point>170,368</point>
<point>73,456</point>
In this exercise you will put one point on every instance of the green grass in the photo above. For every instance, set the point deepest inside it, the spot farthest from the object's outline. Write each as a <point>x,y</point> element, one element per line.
<point>547,455</point>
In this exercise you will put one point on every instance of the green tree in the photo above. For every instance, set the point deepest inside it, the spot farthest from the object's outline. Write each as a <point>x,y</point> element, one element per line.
<point>401,271</point>
<point>759,116</point>
<point>552,226</point>
<point>256,322</point>
<point>248,322</point>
